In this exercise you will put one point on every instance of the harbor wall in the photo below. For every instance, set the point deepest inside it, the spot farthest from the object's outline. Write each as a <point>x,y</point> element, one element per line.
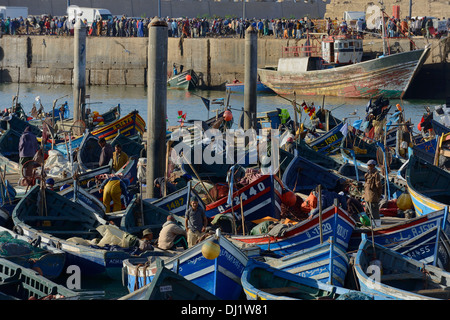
<point>123,61</point>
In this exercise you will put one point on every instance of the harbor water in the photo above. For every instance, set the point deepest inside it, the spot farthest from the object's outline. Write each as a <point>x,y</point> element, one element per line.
<point>102,98</point>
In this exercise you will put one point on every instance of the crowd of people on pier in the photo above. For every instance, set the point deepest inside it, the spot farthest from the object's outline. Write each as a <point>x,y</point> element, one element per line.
<point>227,27</point>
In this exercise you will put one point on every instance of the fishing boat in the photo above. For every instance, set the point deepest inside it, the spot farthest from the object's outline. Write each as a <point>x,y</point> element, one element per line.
<point>178,201</point>
<point>9,141</point>
<point>263,282</point>
<point>20,283</point>
<point>303,175</point>
<point>423,237</point>
<point>5,217</point>
<point>428,186</point>
<point>140,215</point>
<point>329,141</point>
<point>326,262</point>
<point>381,270</point>
<point>31,253</point>
<point>19,125</point>
<point>442,155</point>
<point>333,222</point>
<point>129,125</point>
<point>339,70</point>
<point>168,285</point>
<point>84,198</point>
<point>85,177</point>
<point>131,145</point>
<point>219,275</point>
<point>88,152</point>
<point>238,87</point>
<point>260,198</point>
<point>186,80</point>
<point>61,222</point>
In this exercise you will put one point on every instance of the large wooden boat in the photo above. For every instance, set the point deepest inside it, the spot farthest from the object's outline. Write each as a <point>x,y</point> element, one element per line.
<point>336,75</point>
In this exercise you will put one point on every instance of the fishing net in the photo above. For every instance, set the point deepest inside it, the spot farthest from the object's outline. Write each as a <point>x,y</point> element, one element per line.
<point>11,248</point>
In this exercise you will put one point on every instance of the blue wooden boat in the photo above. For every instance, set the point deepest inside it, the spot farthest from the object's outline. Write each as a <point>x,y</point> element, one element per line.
<point>263,282</point>
<point>9,141</point>
<point>136,218</point>
<point>131,145</point>
<point>220,276</point>
<point>19,125</point>
<point>88,152</point>
<point>129,125</point>
<point>178,201</point>
<point>326,262</point>
<point>428,186</point>
<point>20,283</point>
<point>260,198</point>
<point>168,285</point>
<point>5,217</point>
<point>85,177</point>
<point>238,87</point>
<point>63,219</point>
<point>423,237</point>
<point>439,128</point>
<point>335,223</point>
<point>303,175</point>
<point>31,253</point>
<point>328,142</point>
<point>84,198</point>
<point>398,276</point>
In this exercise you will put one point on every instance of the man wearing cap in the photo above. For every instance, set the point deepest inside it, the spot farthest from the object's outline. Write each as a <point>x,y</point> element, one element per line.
<point>372,192</point>
<point>195,222</point>
<point>145,243</point>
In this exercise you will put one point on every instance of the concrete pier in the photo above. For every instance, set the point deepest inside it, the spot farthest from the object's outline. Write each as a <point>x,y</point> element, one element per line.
<point>123,61</point>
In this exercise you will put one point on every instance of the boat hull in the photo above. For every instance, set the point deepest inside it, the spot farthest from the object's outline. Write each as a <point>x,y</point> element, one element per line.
<point>388,76</point>
<point>336,223</point>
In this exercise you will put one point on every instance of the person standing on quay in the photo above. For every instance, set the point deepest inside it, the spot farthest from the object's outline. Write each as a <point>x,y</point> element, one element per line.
<point>195,222</point>
<point>372,192</point>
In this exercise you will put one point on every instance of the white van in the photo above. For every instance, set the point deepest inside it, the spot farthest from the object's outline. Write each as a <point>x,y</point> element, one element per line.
<point>90,14</point>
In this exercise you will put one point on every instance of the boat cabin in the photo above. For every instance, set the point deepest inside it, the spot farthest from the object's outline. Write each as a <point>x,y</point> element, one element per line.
<point>341,50</point>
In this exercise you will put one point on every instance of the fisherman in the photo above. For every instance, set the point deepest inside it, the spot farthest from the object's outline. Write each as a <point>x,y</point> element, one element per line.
<point>50,183</point>
<point>372,192</point>
<point>171,235</point>
<point>106,153</point>
<point>28,146</point>
<point>120,158</point>
<point>182,181</point>
<point>327,200</point>
<point>290,146</point>
<point>112,189</point>
<point>195,222</point>
<point>159,186</point>
<point>146,242</point>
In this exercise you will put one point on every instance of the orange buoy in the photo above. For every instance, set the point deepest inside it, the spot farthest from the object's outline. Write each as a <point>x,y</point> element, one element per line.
<point>188,77</point>
<point>227,115</point>
<point>289,198</point>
